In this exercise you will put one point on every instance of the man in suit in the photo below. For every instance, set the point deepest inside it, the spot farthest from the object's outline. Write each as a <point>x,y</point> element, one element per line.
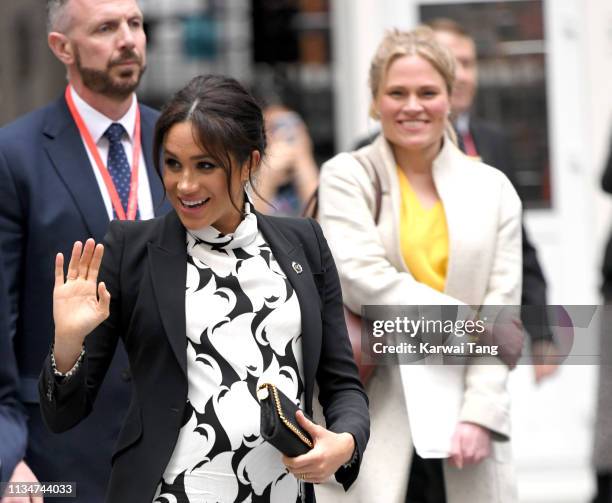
<point>487,140</point>
<point>66,170</point>
<point>13,433</point>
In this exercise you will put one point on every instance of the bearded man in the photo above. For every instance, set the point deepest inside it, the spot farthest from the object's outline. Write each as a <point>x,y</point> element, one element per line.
<point>66,170</point>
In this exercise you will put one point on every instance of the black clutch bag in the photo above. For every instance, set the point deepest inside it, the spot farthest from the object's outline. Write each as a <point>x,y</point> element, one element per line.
<point>278,423</point>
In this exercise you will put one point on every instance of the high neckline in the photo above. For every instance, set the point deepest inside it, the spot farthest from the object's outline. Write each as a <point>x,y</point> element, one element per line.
<point>244,235</point>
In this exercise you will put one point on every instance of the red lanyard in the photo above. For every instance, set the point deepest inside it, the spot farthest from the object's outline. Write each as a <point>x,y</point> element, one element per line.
<point>468,144</point>
<point>108,181</point>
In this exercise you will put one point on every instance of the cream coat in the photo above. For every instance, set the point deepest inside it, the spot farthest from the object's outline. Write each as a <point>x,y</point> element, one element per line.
<point>483,214</point>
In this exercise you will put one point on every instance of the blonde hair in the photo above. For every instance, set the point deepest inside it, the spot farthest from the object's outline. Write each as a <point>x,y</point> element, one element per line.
<point>418,42</point>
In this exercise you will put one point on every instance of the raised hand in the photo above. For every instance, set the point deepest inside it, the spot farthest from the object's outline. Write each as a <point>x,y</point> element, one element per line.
<point>80,304</point>
<point>331,450</point>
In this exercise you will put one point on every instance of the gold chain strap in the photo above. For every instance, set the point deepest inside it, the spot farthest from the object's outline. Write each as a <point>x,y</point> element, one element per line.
<point>285,421</point>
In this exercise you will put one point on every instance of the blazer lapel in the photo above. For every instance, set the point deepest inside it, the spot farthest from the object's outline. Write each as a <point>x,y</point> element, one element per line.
<point>168,259</point>
<point>292,260</point>
<point>68,156</point>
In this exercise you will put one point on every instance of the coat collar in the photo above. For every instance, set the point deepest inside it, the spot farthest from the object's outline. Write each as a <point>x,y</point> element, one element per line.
<point>168,258</point>
<point>449,174</point>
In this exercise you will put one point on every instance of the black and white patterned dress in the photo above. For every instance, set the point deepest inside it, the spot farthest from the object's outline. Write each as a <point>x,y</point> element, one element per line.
<point>243,329</point>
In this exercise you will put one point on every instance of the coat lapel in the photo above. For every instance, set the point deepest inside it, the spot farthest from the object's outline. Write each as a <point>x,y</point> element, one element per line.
<point>291,259</point>
<point>161,206</point>
<point>448,162</point>
<point>447,172</point>
<point>382,157</point>
<point>168,259</point>
<point>69,158</point>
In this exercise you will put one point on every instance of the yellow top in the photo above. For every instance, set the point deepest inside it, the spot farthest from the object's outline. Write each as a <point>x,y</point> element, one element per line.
<point>423,237</point>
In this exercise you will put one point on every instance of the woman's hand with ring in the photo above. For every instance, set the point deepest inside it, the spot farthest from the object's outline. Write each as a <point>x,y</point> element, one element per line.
<point>331,450</point>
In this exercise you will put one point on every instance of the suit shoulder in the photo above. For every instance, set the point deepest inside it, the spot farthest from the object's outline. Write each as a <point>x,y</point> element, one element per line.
<point>148,112</point>
<point>26,125</point>
<point>488,127</point>
<point>480,172</point>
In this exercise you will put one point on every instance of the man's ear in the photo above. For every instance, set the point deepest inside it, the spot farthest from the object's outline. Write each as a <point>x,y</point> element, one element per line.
<point>61,47</point>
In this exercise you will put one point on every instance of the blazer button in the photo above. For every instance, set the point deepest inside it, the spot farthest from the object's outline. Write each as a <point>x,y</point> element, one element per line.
<point>126,376</point>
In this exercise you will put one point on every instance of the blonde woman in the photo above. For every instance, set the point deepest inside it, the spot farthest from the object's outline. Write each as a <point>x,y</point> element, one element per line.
<point>449,232</point>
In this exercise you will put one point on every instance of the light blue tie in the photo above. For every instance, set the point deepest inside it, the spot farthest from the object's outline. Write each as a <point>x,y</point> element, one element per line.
<point>118,165</point>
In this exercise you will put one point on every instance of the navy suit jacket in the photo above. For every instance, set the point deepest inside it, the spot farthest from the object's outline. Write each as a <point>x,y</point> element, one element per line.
<point>49,198</point>
<point>13,433</point>
<point>144,268</point>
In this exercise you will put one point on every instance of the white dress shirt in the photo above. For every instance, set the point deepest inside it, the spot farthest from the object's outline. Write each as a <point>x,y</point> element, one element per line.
<point>98,123</point>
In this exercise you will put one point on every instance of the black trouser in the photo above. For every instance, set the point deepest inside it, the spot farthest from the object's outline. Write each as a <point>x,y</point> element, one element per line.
<point>426,482</point>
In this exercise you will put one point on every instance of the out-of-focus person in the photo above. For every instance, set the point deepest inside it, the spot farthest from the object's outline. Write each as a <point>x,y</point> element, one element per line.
<point>66,170</point>
<point>602,445</point>
<point>449,232</point>
<point>289,175</point>
<point>212,301</point>
<point>487,141</point>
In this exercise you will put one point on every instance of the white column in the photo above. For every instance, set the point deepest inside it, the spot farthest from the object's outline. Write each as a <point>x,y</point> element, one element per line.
<point>357,28</point>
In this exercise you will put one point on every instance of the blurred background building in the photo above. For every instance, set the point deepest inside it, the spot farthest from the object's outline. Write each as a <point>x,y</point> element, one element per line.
<point>545,74</point>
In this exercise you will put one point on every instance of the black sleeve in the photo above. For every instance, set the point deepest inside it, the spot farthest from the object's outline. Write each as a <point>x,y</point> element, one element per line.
<point>66,403</point>
<point>341,394</point>
<point>533,296</point>
<point>606,269</point>
<point>606,179</point>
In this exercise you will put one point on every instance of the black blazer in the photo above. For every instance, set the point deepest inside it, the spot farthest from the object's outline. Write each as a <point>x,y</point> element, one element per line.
<point>144,268</point>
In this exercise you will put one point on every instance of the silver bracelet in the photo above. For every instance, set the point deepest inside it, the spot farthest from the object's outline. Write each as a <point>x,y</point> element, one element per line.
<point>72,371</point>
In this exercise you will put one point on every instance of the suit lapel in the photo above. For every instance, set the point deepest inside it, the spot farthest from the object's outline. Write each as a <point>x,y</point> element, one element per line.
<point>168,259</point>
<point>69,158</point>
<point>160,206</point>
<point>292,260</point>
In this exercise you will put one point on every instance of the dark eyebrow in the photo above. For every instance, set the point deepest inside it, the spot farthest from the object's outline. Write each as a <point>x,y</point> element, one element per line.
<point>193,157</point>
